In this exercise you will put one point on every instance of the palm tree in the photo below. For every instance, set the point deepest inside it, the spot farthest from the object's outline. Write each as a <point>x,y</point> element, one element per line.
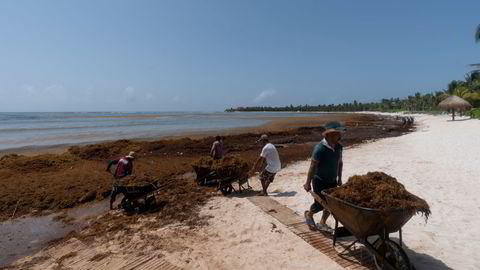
<point>477,34</point>
<point>452,86</point>
<point>477,39</point>
<point>465,93</point>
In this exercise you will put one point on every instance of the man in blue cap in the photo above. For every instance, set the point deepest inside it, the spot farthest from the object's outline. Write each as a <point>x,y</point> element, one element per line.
<point>325,171</point>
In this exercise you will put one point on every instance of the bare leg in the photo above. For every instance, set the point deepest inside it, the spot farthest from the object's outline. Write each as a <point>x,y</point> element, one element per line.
<point>111,203</point>
<point>112,199</point>
<point>263,184</point>
<point>267,183</point>
<point>325,215</point>
<point>264,187</point>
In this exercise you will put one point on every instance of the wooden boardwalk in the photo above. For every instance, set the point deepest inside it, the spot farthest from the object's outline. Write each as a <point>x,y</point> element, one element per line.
<point>357,259</point>
<point>85,262</point>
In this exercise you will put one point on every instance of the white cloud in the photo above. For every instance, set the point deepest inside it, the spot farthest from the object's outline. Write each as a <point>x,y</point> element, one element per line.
<point>148,96</point>
<point>128,95</point>
<point>264,95</point>
<point>30,89</point>
<point>129,90</point>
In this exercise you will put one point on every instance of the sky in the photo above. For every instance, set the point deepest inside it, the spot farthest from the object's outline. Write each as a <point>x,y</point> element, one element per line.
<point>208,55</point>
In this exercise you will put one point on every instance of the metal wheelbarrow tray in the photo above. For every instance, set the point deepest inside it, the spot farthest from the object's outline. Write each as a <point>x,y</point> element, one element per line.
<point>137,198</point>
<point>364,222</point>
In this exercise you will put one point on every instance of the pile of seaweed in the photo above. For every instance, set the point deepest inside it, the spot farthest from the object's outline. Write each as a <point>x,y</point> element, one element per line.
<point>381,191</point>
<point>40,163</point>
<point>139,180</point>
<point>227,167</point>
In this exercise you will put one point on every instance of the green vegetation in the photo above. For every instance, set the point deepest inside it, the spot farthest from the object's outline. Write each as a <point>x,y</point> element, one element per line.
<point>474,113</point>
<point>468,89</point>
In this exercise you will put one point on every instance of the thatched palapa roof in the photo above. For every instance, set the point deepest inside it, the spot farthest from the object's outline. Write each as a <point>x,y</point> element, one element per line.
<point>454,102</point>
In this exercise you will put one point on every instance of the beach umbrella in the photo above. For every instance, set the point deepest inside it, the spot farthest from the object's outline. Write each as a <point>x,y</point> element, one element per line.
<point>454,103</point>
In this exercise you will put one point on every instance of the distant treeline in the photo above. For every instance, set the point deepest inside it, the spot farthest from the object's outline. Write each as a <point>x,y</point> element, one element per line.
<point>468,89</point>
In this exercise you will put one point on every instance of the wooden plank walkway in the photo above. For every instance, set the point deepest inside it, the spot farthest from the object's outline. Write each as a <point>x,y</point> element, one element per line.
<point>146,262</point>
<point>357,259</point>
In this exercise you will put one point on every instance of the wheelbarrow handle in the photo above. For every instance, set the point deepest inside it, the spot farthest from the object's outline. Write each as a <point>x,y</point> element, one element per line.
<point>318,198</point>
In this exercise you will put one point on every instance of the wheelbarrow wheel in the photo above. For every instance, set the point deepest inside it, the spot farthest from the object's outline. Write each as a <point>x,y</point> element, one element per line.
<point>226,189</point>
<point>394,254</point>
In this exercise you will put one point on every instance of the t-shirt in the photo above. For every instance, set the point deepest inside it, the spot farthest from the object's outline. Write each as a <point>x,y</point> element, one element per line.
<point>217,149</point>
<point>124,167</point>
<point>269,152</point>
<point>328,161</point>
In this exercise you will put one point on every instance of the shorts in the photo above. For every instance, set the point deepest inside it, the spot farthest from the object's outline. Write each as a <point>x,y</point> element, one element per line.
<point>267,176</point>
<point>116,186</point>
<point>318,186</point>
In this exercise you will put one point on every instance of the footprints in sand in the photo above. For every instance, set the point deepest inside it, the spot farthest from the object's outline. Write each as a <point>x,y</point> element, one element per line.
<point>275,229</point>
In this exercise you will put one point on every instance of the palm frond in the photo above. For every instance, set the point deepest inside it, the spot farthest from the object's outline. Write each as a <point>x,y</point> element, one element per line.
<point>477,34</point>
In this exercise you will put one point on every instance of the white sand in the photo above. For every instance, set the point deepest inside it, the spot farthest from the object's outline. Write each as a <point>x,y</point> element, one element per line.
<point>241,236</point>
<point>439,162</point>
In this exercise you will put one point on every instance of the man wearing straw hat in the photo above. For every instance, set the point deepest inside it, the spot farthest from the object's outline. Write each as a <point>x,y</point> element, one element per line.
<point>325,171</point>
<point>124,168</point>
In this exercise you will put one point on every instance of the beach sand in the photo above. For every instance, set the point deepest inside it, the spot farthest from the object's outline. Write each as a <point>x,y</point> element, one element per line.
<point>438,162</point>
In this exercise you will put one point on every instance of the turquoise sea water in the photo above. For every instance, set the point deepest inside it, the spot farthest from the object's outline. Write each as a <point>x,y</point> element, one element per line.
<point>24,130</point>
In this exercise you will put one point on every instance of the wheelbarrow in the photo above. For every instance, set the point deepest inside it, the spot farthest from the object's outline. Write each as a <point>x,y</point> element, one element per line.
<point>362,223</point>
<point>138,198</point>
<point>224,183</point>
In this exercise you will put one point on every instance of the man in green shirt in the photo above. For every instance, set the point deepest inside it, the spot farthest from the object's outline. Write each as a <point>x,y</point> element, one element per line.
<point>325,171</point>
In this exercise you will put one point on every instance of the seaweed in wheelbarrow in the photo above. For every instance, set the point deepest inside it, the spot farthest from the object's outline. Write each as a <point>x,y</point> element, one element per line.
<point>221,172</point>
<point>375,204</point>
<point>228,167</point>
<point>379,190</point>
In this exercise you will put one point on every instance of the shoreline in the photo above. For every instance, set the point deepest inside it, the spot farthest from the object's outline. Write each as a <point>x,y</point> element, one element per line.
<point>281,123</point>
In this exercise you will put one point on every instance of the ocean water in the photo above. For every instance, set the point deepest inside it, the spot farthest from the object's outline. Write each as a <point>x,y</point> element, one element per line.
<point>29,130</point>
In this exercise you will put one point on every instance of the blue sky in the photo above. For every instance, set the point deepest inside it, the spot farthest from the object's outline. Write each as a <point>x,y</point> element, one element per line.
<point>205,55</point>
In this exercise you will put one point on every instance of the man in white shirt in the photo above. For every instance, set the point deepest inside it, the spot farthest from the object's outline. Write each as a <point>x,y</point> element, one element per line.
<point>270,156</point>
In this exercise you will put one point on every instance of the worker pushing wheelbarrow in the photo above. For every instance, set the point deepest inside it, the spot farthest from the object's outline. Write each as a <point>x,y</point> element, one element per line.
<point>137,197</point>
<point>369,208</point>
<point>222,173</point>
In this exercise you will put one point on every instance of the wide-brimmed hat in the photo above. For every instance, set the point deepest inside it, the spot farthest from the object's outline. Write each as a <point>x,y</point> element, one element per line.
<point>264,137</point>
<point>333,127</point>
<point>131,155</point>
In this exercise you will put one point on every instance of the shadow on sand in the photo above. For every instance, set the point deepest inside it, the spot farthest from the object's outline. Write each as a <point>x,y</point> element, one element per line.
<point>419,261</point>
<point>284,194</point>
<point>422,261</point>
<point>251,192</point>
<point>459,120</point>
<point>244,194</point>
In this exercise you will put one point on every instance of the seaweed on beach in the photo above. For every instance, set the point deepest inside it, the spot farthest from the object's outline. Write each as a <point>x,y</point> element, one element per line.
<point>138,180</point>
<point>40,163</point>
<point>104,150</point>
<point>42,184</point>
<point>381,191</point>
